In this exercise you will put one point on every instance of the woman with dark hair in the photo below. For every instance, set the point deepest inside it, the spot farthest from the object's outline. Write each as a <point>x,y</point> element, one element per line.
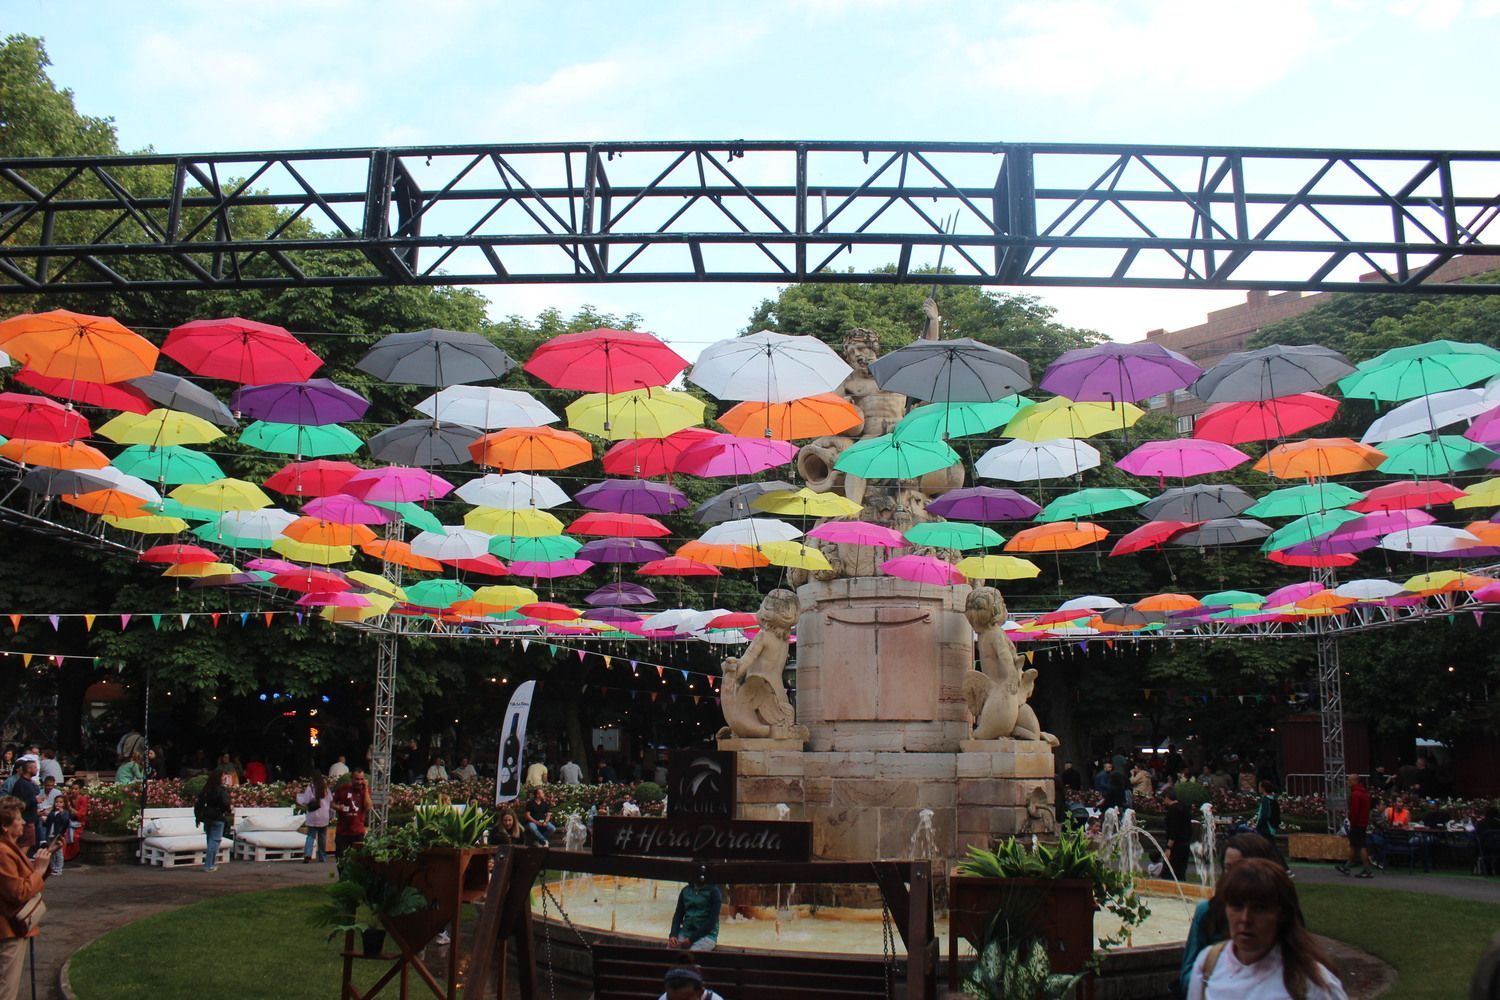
<point>317,799</point>
<point>1269,954</point>
<point>1209,923</point>
<point>214,813</point>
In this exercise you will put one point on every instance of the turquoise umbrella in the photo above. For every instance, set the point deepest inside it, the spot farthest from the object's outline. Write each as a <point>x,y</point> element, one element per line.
<point>176,508</point>
<point>953,535</point>
<point>414,514</point>
<point>1421,369</point>
<point>1308,527</point>
<point>172,464</point>
<point>548,549</point>
<point>886,457</point>
<point>301,441</point>
<point>1241,599</point>
<point>437,593</point>
<point>1085,503</point>
<point>939,421</point>
<point>210,533</point>
<point>1429,455</point>
<point>1294,501</point>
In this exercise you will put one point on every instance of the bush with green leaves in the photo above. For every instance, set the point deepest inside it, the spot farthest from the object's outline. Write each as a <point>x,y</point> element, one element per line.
<point>361,898</point>
<point>649,793</point>
<point>1191,792</point>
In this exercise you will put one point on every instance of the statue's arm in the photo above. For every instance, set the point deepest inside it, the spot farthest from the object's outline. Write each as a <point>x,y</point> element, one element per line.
<point>933,328</point>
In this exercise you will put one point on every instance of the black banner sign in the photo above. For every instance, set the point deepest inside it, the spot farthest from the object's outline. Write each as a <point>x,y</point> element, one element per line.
<point>701,783</point>
<point>707,838</point>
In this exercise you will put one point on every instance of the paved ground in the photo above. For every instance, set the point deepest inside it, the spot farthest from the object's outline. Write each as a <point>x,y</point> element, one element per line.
<point>1485,890</point>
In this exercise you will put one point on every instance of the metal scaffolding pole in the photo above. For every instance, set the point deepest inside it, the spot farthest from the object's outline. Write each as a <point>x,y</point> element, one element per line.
<point>385,731</point>
<point>1331,712</point>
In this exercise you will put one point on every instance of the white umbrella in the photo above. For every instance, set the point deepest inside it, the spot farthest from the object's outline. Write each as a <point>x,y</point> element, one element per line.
<point>458,543</point>
<point>750,531</point>
<point>1027,461</point>
<point>264,524</point>
<point>1429,538</point>
<point>728,637</point>
<point>1369,590</point>
<point>769,367</point>
<point>672,618</point>
<point>511,490</point>
<point>1427,413</point>
<point>697,621</point>
<point>128,484</point>
<point>486,407</point>
<point>1071,630</point>
<point>1089,602</point>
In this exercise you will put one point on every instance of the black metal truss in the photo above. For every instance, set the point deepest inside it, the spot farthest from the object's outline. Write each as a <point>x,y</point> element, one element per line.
<point>991,213</point>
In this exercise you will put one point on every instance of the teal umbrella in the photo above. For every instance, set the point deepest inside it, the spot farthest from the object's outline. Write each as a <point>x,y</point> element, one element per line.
<point>548,549</point>
<point>437,593</point>
<point>1421,369</point>
<point>301,441</point>
<point>414,514</point>
<point>172,464</point>
<point>1429,455</point>
<point>885,457</point>
<point>1294,501</point>
<point>940,421</point>
<point>210,533</point>
<point>1241,599</point>
<point>1090,501</point>
<point>953,535</point>
<point>176,508</point>
<point>1308,527</point>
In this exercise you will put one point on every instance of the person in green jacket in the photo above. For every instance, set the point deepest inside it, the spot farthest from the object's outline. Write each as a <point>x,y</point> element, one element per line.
<point>695,924</point>
<point>1210,925</point>
<point>131,771</point>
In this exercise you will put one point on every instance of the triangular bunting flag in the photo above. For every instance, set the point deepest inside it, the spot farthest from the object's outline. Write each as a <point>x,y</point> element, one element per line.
<point>55,620</point>
<point>525,645</point>
<point>633,665</point>
<point>186,617</point>
<point>684,675</point>
<point>607,661</point>
<point>244,617</point>
<point>125,622</point>
<point>580,655</point>
<point>215,616</point>
<point>661,671</point>
<point>1030,656</point>
<point>156,622</point>
<point>299,618</point>
<point>267,617</point>
<point>26,659</point>
<point>57,659</point>
<point>88,622</point>
<point>653,695</point>
<point>15,623</point>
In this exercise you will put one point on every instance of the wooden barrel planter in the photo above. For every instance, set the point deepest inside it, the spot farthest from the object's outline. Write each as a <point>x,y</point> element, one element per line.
<point>1063,915</point>
<point>104,849</point>
<point>448,877</point>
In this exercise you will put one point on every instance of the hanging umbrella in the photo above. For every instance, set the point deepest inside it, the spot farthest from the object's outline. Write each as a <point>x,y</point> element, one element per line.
<point>1429,455</point>
<point>1085,503</point>
<point>198,570</point>
<point>40,419</point>
<point>1447,581</point>
<point>485,565</point>
<point>922,569</point>
<point>171,464</point>
<point>77,347</point>
<point>455,543</point>
<point>738,501</point>
<point>512,491</point>
<point>862,533</point>
<point>411,513</point>
<point>1056,537</point>
<point>750,531</point>
<point>173,392</point>
<point>49,482</point>
<point>1294,501</point>
<point>1308,527</point>
<point>240,350</point>
<point>1197,503</point>
<point>159,427</point>
<point>1485,428</point>
<point>952,371</point>
<point>677,566</point>
<point>122,396</point>
<point>313,403</point>
<point>1432,539</point>
<point>950,420</point>
<point>726,556</point>
<point>638,413</point>
<point>727,455</point>
<point>998,568</point>
<point>1029,461</point>
<point>1151,535</point>
<point>951,535</point>
<point>435,358</point>
<point>795,555</point>
<point>649,457</point>
<point>146,525</point>
<point>301,441</point>
<point>984,503</point>
<point>345,509</point>
<point>341,599</point>
<point>769,368</point>
<point>529,449</point>
<point>1168,602</point>
<point>1223,531</point>
<point>396,483</point>
<point>620,595</point>
<point>1060,417</point>
<point>1235,600</point>
<point>1482,494</point>
<point>805,503</point>
<point>525,522</point>
<point>610,524</point>
<point>1119,373</point>
<point>621,550</point>
<point>1270,373</point>
<point>222,495</point>
<point>814,416</point>
<point>316,478</point>
<point>486,407</point>
<point>505,597</point>
<point>545,548</point>
<point>400,554</point>
<point>1318,458</point>
<point>629,496</point>
<point>110,501</point>
<point>605,360</point>
<point>55,454</point>
<point>549,611</point>
<point>171,554</point>
<point>1181,458</point>
<point>312,552</point>
<point>437,593</point>
<point>263,524</point>
<point>424,442</point>
<point>885,457</point>
<point>126,483</point>
<point>1382,522</point>
<point>1421,369</point>
<point>1264,420</point>
<point>1426,413</point>
<point>1369,590</point>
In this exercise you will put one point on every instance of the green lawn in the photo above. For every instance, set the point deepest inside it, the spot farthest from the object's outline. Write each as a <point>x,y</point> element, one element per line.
<point>1433,941</point>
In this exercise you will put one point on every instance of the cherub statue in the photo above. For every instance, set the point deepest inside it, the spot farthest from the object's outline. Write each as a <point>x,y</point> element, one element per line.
<point>754,702</point>
<point>998,691</point>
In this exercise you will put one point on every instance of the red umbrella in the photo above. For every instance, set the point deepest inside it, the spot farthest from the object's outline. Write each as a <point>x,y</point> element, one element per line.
<point>316,478</point>
<point>1151,535</point>
<point>732,619</point>
<point>605,360</point>
<point>1264,420</point>
<point>174,554</point>
<point>597,522</point>
<point>1315,562</point>
<point>312,581</point>
<point>40,418</point>
<point>486,565</point>
<point>111,396</point>
<point>548,611</point>
<point>677,566</point>
<point>240,350</point>
<point>1405,495</point>
<point>646,457</point>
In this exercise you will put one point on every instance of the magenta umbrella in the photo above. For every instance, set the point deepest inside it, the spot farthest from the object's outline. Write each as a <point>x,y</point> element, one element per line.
<point>921,569</point>
<point>397,484</point>
<point>859,533</point>
<point>984,503</point>
<point>313,403</point>
<point>273,566</point>
<point>727,455</point>
<point>550,570</point>
<point>1486,427</point>
<point>340,508</point>
<point>632,496</point>
<point>1181,458</point>
<point>336,599</point>
<point>1382,522</point>
<point>1333,545</point>
<point>1292,593</point>
<point>1119,373</point>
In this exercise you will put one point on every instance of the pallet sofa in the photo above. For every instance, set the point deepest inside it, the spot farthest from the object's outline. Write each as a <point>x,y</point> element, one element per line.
<point>268,834</point>
<point>171,838</point>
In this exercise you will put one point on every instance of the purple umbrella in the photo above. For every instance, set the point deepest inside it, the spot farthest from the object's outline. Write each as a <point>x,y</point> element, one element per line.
<point>984,503</point>
<point>312,403</point>
<point>727,455</point>
<point>632,496</point>
<point>550,570</point>
<point>613,616</point>
<point>341,508</point>
<point>1119,373</point>
<point>397,484</point>
<point>621,550</point>
<point>1334,545</point>
<point>620,594</point>
<point>227,580</point>
<point>1383,522</point>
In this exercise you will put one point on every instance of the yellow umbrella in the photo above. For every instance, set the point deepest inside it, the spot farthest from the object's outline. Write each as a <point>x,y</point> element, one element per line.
<point>516,523</point>
<point>160,428</point>
<point>222,495</point>
<point>195,570</point>
<point>639,413</point>
<point>806,503</point>
<point>504,597</point>
<point>377,583</point>
<point>1445,581</point>
<point>794,555</point>
<point>379,605</point>
<point>998,568</point>
<point>1485,494</point>
<point>1060,417</point>
<point>150,524</point>
<point>323,555</point>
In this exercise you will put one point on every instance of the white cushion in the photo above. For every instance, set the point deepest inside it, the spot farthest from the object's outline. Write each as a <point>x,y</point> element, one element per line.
<point>172,826</point>
<point>182,842</point>
<point>261,822</point>
<point>271,838</point>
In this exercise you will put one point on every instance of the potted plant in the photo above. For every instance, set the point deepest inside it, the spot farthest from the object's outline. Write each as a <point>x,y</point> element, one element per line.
<point>362,900</point>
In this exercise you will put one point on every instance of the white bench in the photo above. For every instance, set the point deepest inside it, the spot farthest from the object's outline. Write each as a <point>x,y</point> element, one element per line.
<point>268,834</point>
<point>171,839</point>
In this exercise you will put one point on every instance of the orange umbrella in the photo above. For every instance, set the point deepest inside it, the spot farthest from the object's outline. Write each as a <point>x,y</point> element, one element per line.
<point>106,502</point>
<point>1324,600</point>
<point>399,553</point>
<point>1488,532</point>
<point>1056,537</point>
<point>319,532</point>
<point>75,346</point>
<point>1317,457</point>
<point>529,449</point>
<point>1168,602</point>
<point>54,454</point>
<point>731,556</point>
<point>811,417</point>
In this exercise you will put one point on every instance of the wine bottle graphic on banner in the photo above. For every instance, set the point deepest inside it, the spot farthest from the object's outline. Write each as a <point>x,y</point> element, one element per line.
<point>512,762</point>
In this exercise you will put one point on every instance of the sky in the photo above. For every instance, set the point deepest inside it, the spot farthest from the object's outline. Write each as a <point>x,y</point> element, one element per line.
<point>192,77</point>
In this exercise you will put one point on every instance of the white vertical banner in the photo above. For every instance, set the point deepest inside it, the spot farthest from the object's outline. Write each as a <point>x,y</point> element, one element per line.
<point>512,764</point>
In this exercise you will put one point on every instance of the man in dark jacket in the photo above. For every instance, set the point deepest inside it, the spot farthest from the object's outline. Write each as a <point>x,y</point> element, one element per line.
<point>1359,821</point>
<point>1179,833</point>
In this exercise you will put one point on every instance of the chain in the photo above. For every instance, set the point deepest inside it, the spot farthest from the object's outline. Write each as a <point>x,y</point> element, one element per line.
<point>888,948</point>
<point>547,937</point>
<point>564,914</point>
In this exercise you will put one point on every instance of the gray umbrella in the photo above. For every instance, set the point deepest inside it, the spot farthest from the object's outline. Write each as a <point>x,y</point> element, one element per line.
<point>176,393</point>
<point>1223,531</point>
<point>952,371</point>
<point>1197,503</point>
<point>424,443</point>
<point>734,503</point>
<point>435,358</point>
<point>1247,376</point>
<point>55,482</point>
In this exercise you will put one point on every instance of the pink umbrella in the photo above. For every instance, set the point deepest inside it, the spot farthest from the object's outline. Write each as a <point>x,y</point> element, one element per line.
<point>341,508</point>
<point>1383,522</point>
<point>339,599</point>
<point>727,455</point>
<point>550,570</point>
<point>273,566</point>
<point>921,569</point>
<point>1485,428</point>
<point>1489,593</point>
<point>1292,593</point>
<point>859,533</point>
<point>1181,458</point>
<point>397,484</point>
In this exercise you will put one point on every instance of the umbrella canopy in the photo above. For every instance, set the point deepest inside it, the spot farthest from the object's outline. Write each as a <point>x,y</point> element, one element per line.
<point>984,503</point>
<point>1167,602</point>
<point>1447,581</point>
<point>512,491</point>
<point>1318,458</point>
<point>455,543</point>
<point>56,454</point>
<point>805,503</point>
<point>951,420</point>
<point>1056,537</point>
<point>1181,458</point>
<point>638,413</point>
<point>1084,503</point>
<point>486,407</point>
<point>301,441</point>
<point>1369,590</point>
<point>1383,522</point>
<point>240,350</point>
<point>622,550</point>
<point>1308,527</point>
<point>51,482</point>
<point>952,535</point>
<point>1029,461</point>
<point>1426,413</point>
<point>173,392</point>
<point>222,495</point>
<point>1294,501</point>
<point>437,593</point>
<point>177,554</point>
<point>1271,372</point>
<point>435,358</point>
<point>922,569</point>
<point>952,371</point>
<point>40,419</point>
<point>400,554</point>
<point>396,483</point>
<point>1198,503</point>
<point>1421,369</point>
<point>769,368</point>
<point>1428,455</point>
<point>77,347</point>
<point>861,533</point>
<point>264,524</point>
<point>1432,539</point>
<point>1151,535</point>
<point>171,464</point>
<point>159,427</point>
<point>605,360</point>
<point>1405,494</point>
<point>886,457</point>
<point>738,501</point>
<point>727,556</point>
<point>1223,531</point>
<point>750,531</point>
<point>1117,373</point>
<point>1238,600</point>
<point>424,442</point>
<point>795,555</point>
<point>526,522</point>
<point>317,478</point>
<point>678,566</point>
<point>122,396</point>
<point>727,455</point>
<point>413,514</point>
<point>813,416</point>
<point>614,595</point>
<point>146,525</point>
<point>545,548</point>
<point>485,565</point>
<point>1482,494</point>
<point>110,501</point>
<point>1061,417</point>
<point>1264,420</point>
<point>631,496</point>
<point>317,531</point>
<point>531,449</point>
<point>311,404</point>
<point>346,510</point>
<point>653,456</point>
<point>998,568</point>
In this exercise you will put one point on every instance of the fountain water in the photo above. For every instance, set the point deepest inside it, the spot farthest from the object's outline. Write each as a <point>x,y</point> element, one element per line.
<point>924,839</point>
<point>575,835</point>
<point>1206,850</point>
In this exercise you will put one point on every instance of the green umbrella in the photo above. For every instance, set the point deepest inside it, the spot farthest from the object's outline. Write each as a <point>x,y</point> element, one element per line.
<point>176,508</point>
<point>1307,527</point>
<point>1091,501</point>
<point>171,463</point>
<point>1428,455</point>
<point>304,442</point>
<point>953,535</point>
<point>1294,501</point>
<point>414,514</point>
<point>210,533</point>
<point>939,421</point>
<point>1232,614</point>
<point>548,549</point>
<point>437,593</point>
<point>1421,369</point>
<point>1233,599</point>
<point>885,457</point>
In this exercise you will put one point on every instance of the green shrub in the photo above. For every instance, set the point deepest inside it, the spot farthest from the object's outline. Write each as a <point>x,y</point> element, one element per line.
<point>649,792</point>
<point>1191,792</point>
<point>193,787</point>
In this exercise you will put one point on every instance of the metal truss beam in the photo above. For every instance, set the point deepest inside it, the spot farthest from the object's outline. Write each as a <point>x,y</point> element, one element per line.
<point>385,730</point>
<point>784,211</point>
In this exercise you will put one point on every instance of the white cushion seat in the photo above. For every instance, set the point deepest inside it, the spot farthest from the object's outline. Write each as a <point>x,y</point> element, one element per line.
<point>272,838</point>
<point>181,842</point>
